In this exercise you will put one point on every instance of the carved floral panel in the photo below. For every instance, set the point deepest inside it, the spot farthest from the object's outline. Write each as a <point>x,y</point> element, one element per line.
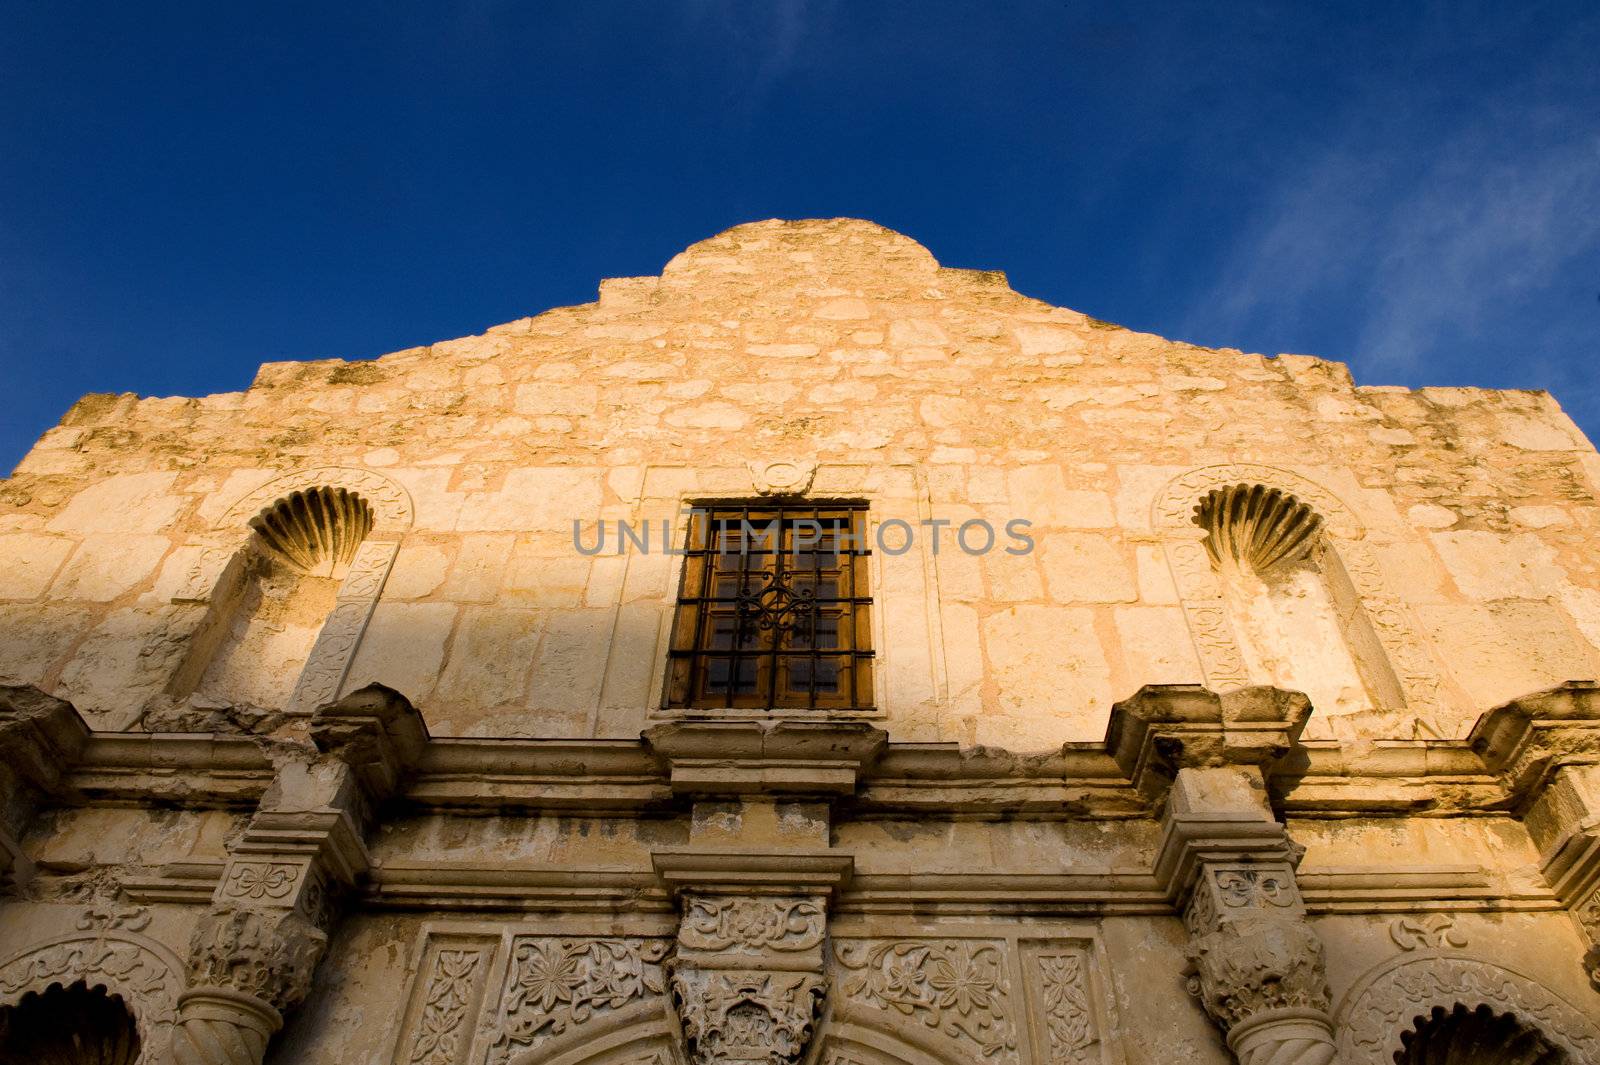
<point>960,988</point>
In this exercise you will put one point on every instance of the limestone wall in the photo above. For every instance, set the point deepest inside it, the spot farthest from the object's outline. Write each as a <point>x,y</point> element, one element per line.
<point>931,393</point>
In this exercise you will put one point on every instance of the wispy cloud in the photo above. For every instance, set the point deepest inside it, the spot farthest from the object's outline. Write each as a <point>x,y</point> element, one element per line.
<point>1435,230</point>
<point>768,38</point>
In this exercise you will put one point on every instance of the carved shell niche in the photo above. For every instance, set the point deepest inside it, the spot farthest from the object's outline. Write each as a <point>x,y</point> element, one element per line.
<point>315,530</point>
<point>1475,1037</point>
<point>1255,527</point>
<point>73,1025</point>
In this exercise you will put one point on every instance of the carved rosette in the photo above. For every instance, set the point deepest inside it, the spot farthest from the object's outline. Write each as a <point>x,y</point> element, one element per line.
<point>1256,965</point>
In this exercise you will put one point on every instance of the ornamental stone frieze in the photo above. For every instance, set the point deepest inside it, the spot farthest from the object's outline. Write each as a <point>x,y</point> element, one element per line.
<point>254,951</point>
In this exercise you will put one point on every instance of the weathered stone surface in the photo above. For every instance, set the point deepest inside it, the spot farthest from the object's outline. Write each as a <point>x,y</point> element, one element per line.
<point>1000,879</point>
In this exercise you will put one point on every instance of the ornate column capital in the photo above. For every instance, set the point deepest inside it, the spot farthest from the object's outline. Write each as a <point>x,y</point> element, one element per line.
<point>254,952</point>
<point>1255,964</point>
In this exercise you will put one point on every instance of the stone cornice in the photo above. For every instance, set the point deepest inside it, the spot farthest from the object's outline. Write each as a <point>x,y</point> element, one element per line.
<point>1499,770</point>
<point>783,757</point>
<point>464,887</point>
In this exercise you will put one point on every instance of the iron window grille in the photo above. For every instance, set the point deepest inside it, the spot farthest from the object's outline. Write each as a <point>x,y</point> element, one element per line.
<point>773,611</point>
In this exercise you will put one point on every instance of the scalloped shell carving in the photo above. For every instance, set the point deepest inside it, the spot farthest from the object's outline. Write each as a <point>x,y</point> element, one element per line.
<point>316,530</point>
<point>1256,527</point>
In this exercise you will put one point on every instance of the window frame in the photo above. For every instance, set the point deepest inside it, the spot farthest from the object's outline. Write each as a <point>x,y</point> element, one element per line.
<point>768,591</point>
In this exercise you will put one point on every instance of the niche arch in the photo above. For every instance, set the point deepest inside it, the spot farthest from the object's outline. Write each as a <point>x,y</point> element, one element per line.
<point>1391,999</point>
<point>1397,671</point>
<point>348,520</point>
<point>144,974</point>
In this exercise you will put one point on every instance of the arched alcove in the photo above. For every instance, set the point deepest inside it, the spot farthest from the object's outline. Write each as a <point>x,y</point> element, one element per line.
<point>1280,586</point>
<point>284,586</point>
<point>1299,622</point>
<point>289,578</point>
<point>143,974</point>
<point>72,1025</point>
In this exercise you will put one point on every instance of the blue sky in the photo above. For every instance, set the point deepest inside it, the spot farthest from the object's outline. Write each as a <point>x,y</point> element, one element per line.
<point>189,190</point>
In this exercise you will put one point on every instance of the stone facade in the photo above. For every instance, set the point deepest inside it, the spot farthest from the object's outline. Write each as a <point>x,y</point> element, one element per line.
<point>328,740</point>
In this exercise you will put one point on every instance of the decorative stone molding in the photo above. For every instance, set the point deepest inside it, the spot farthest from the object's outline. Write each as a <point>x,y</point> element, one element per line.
<point>755,924</point>
<point>1381,1005</point>
<point>1433,931</point>
<point>560,983</point>
<point>110,955</point>
<point>1187,544</point>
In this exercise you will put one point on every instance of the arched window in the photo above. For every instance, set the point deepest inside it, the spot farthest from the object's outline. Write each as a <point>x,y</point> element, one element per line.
<point>267,615</point>
<point>1481,1036</point>
<point>75,1025</point>
<point>1298,618</point>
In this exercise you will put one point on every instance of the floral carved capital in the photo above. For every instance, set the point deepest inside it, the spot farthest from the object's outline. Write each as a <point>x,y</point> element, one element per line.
<point>736,1015</point>
<point>1251,965</point>
<point>268,954</point>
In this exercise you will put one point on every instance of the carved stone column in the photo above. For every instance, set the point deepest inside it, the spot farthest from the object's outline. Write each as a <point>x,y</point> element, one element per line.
<point>255,950</point>
<point>1255,963</point>
<point>41,738</point>
<point>754,884</point>
<point>1547,749</point>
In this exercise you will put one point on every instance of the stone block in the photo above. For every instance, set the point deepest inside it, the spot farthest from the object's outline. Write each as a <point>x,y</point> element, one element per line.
<point>28,562</point>
<point>1086,568</point>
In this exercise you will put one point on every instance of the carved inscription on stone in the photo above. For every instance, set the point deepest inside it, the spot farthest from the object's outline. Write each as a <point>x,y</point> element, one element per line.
<point>956,987</point>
